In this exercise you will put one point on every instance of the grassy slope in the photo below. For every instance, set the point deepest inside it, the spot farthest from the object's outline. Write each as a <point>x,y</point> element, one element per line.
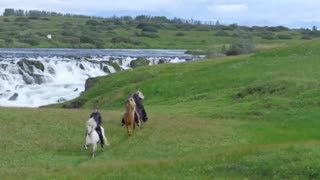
<point>168,40</point>
<point>252,116</point>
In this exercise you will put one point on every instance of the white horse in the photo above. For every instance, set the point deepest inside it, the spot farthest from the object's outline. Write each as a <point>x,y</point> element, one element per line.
<point>92,136</point>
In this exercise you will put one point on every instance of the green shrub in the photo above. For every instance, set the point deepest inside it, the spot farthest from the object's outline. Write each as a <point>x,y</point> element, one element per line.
<point>284,36</point>
<point>149,29</point>
<point>148,34</point>
<point>21,19</point>
<point>121,39</point>
<point>34,18</point>
<point>87,39</point>
<point>264,34</point>
<point>240,47</point>
<point>222,33</point>
<point>92,23</point>
<point>6,20</point>
<point>306,37</point>
<point>8,41</point>
<point>194,52</point>
<point>180,34</point>
<point>2,43</point>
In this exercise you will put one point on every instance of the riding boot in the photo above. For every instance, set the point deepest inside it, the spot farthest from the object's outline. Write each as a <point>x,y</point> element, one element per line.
<point>101,140</point>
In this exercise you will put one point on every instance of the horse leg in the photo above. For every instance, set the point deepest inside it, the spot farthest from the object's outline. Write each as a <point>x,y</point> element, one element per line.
<point>85,146</point>
<point>132,128</point>
<point>128,130</point>
<point>94,149</point>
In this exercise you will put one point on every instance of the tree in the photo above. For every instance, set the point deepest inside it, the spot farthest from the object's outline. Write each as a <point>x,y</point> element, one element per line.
<point>8,12</point>
<point>314,28</point>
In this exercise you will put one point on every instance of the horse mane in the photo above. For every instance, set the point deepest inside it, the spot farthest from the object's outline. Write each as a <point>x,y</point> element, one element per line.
<point>91,122</point>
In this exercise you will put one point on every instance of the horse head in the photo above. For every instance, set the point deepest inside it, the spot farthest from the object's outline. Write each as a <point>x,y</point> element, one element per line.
<point>139,93</point>
<point>131,105</point>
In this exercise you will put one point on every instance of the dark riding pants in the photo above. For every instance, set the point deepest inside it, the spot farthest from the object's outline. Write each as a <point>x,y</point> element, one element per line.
<point>98,129</point>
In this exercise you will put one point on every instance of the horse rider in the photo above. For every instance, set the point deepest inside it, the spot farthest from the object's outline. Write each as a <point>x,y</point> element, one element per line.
<point>139,105</point>
<point>97,117</point>
<point>138,97</point>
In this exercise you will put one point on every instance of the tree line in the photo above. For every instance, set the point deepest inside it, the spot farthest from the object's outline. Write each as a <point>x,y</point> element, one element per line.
<point>35,13</point>
<point>140,18</point>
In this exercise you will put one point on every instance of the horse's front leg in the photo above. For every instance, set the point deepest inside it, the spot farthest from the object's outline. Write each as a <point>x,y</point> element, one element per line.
<point>94,150</point>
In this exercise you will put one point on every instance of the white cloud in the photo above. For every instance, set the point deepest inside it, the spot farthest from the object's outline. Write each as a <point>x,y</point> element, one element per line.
<point>248,12</point>
<point>227,8</point>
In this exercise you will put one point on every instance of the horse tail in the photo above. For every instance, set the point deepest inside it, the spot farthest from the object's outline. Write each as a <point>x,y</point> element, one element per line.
<point>104,136</point>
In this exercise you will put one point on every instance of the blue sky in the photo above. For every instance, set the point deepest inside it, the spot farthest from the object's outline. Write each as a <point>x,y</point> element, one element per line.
<point>292,13</point>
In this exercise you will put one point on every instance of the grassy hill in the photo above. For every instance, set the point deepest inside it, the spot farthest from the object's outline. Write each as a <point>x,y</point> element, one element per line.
<point>124,32</point>
<point>252,116</point>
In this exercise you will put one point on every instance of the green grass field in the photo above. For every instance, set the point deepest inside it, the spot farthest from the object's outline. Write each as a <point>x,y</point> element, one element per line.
<point>245,117</point>
<point>74,32</point>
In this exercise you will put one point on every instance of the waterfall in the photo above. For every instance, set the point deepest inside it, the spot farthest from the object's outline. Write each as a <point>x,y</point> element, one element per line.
<point>32,83</point>
<point>36,77</point>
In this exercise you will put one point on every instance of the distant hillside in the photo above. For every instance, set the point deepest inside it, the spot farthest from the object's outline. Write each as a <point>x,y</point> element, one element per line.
<point>48,29</point>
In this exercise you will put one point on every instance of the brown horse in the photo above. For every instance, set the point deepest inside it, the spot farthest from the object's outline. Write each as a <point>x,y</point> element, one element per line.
<point>129,115</point>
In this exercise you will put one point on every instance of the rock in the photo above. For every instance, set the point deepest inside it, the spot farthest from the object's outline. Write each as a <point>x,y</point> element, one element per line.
<point>27,79</point>
<point>89,84</point>
<point>75,90</point>
<point>51,70</point>
<point>162,61</point>
<point>82,67</point>
<point>38,79</point>
<point>27,65</point>
<point>4,66</point>
<point>141,61</point>
<point>74,104</point>
<point>115,65</point>
<point>106,69</point>
<point>14,97</point>
<point>4,76</point>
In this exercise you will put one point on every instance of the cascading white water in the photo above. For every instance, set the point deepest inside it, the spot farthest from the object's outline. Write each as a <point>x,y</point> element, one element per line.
<point>31,79</point>
<point>60,80</point>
